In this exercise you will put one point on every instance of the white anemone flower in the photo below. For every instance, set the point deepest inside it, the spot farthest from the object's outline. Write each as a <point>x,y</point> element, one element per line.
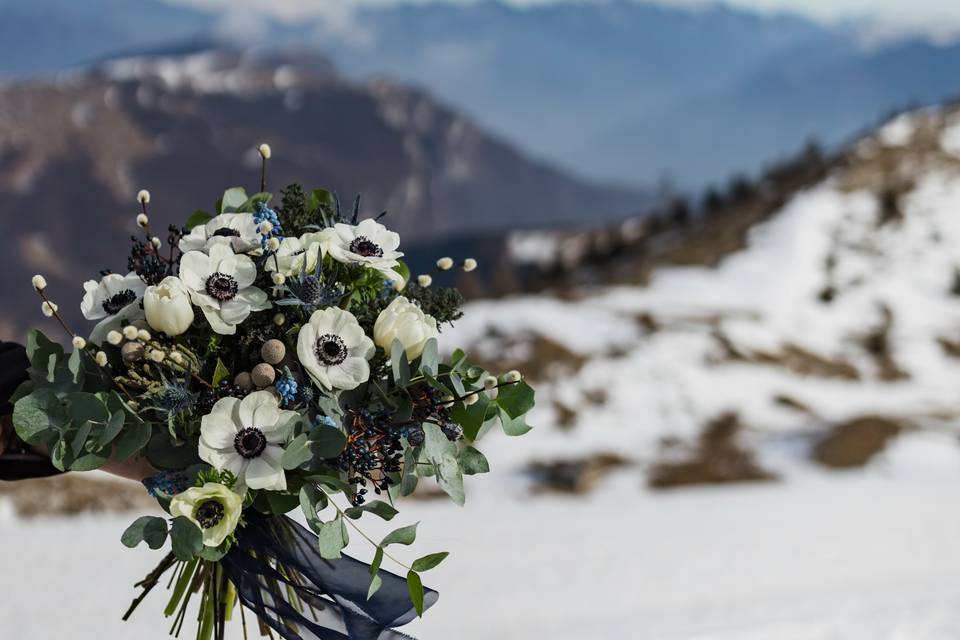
<point>246,437</point>
<point>334,350</point>
<point>114,301</point>
<point>368,243</point>
<point>221,284</point>
<point>238,230</point>
<point>299,255</point>
<point>213,507</point>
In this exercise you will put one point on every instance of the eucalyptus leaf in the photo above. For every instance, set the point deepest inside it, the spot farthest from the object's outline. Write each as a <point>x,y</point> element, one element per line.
<point>400,365</point>
<point>404,535</point>
<point>516,399</point>
<point>149,529</point>
<point>472,461</point>
<point>415,586</point>
<point>327,441</point>
<point>430,358</point>
<point>513,426</point>
<point>376,507</point>
<point>233,199</point>
<point>186,539</point>
<point>296,453</point>
<point>132,440</point>
<point>332,538</point>
<point>197,218</point>
<point>430,561</point>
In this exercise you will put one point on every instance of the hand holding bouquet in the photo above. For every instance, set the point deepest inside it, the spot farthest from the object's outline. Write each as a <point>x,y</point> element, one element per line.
<point>265,360</point>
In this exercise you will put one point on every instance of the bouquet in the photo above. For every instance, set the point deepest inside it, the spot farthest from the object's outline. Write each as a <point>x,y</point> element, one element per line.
<point>263,359</point>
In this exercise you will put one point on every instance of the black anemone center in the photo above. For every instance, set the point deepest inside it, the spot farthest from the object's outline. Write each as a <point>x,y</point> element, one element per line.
<point>227,232</point>
<point>118,301</point>
<point>330,349</point>
<point>363,246</point>
<point>250,442</point>
<point>222,287</point>
<point>209,514</point>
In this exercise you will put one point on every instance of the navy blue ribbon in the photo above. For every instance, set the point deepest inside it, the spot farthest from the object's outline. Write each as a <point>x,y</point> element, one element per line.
<point>332,594</point>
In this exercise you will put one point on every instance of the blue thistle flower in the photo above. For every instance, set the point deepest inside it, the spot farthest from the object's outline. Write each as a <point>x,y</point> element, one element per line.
<point>166,484</point>
<point>286,386</point>
<point>175,398</point>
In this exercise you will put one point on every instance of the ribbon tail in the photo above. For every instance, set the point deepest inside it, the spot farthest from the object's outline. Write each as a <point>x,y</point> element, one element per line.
<point>280,576</point>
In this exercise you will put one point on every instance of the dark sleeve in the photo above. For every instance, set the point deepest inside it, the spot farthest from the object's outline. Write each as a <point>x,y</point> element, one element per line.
<point>17,462</point>
<point>13,372</point>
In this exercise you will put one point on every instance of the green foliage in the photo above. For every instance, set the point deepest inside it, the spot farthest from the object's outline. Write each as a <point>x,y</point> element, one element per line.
<point>149,529</point>
<point>186,539</point>
<point>332,537</point>
<point>197,218</point>
<point>415,586</point>
<point>376,507</point>
<point>429,561</point>
<point>403,535</point>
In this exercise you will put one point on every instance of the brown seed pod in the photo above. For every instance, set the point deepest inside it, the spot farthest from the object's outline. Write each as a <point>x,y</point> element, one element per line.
<point>273,351</point>
<point>244,380</point>
<point>263,375</point>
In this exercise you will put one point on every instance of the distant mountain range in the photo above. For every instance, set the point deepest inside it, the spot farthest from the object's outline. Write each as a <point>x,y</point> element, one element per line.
<point>618,91</point>
<point>74,151</point>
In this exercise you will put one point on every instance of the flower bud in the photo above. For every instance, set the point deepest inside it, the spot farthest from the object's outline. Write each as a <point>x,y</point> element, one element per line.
<point>79,343</point>
<point>168,307</point>
<point>130,332</point>
<point>142,220</point>
<point>48,308</point>
<point>157,355</point>
<point>424,280</point>
<point>143,335</point>
<point>273,244</point>
<point>513,376</point>
<point>469,265</point>
<point>266,227</point>
<point>471,399</point>
<point>279,319</point>
<point>489,382</point>
<point>155,241</point>
<point>264,150</point>
<point>39,282</point>
<point>176,357</point>
<point>114,337</point>
<point>278,278</point>
<point>445,264</point>
<point>404,321</point>
<point>143,196</point>
<point>101,358</point>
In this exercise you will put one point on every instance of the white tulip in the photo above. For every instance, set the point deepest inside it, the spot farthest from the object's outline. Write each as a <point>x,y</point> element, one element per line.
<point>168,307</point>
<point>404,321</point>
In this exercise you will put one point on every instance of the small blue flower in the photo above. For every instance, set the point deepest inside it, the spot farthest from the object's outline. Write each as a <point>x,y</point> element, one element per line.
<point>327,420</point>
<point>287,388</point>
<point>166,484</point>
<point>262,213</point>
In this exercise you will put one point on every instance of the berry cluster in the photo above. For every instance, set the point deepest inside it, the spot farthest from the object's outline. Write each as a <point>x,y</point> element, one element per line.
<point>373,451</point>
<point>145,259</point>
<point>209,397</point>
<point>429,406</point>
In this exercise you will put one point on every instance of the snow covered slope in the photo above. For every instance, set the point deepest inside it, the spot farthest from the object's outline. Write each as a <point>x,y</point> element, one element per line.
<point>843,305</point>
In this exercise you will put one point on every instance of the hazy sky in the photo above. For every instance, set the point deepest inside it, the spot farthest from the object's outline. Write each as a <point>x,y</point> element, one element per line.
<point>939,18</point>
